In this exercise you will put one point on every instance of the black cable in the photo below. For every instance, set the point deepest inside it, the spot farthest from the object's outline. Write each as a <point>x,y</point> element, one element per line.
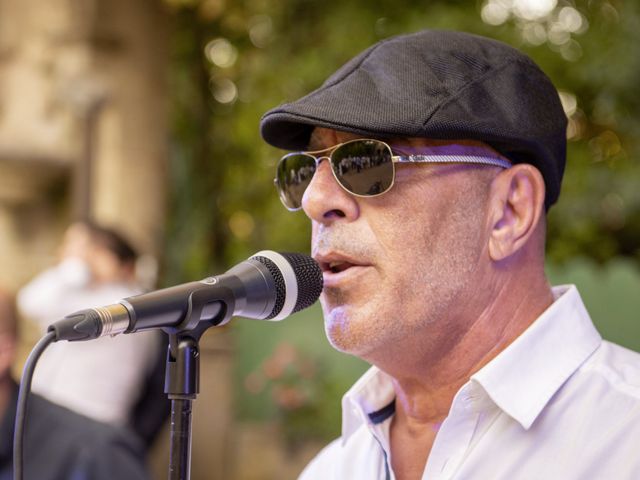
<point>23,397</point>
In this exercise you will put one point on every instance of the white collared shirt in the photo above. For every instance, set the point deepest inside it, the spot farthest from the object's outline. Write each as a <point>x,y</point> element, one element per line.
<point>557,403</point>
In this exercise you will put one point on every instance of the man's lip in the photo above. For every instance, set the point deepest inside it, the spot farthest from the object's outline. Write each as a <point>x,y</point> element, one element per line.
<point>343,278</point>
<point>335,264</point>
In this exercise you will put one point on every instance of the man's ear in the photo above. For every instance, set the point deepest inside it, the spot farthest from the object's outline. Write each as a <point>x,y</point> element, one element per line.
<point>516,205</point>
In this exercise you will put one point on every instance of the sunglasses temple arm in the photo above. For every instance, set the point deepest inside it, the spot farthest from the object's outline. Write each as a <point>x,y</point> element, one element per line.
<point>477,160</point>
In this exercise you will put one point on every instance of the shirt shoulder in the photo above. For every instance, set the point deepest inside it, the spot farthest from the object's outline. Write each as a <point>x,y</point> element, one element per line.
<point>618,366</point>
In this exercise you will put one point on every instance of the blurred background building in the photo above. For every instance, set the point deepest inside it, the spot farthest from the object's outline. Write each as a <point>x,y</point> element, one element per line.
<point>84,134</point>
<point>83,124</point>
<point>144,116</point>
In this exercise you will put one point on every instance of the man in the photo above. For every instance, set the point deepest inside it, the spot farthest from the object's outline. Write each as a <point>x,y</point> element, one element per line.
<point>59,444</point>
<point>432,250</point>
<point>96,267</point>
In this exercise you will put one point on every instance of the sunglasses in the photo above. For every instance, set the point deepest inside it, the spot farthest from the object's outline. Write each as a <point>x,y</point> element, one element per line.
<point>364,168</point>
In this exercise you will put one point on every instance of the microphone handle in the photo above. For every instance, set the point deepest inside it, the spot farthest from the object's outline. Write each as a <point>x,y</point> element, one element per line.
<point>173,309</point>
<point>249,289</point>
<point>170,307</point>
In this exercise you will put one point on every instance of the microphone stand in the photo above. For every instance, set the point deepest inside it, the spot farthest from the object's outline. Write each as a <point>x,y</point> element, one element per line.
<point>181,385</point>
<point>182,375</point>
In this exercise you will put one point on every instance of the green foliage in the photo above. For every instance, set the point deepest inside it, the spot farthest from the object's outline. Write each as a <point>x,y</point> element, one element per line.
<point>599,212</point>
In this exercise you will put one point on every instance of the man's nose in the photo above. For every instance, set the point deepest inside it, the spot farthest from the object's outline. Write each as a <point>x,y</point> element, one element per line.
<point>325,200</point>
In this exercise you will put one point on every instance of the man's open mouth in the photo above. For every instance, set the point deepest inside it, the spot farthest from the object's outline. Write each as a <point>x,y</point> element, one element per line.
<point>337,267</point>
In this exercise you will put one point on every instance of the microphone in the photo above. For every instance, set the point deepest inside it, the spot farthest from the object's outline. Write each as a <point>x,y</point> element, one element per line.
<point>267,286</point>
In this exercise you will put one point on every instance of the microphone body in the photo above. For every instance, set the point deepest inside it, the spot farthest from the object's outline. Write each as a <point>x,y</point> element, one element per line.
<point>267,286</point>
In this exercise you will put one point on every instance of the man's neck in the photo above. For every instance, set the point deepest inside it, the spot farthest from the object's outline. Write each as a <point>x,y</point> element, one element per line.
<point>426,383</point>
<point>425,389</point>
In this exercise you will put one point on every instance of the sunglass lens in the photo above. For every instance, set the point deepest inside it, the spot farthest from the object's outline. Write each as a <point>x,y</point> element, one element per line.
<point>293,177</point>
<point>363,167</point>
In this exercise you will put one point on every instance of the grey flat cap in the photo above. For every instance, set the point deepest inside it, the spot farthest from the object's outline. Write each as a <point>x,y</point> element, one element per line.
<point>438,85</point>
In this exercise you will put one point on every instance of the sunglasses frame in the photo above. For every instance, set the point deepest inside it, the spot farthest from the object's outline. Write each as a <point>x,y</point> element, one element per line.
<point>474,158</point>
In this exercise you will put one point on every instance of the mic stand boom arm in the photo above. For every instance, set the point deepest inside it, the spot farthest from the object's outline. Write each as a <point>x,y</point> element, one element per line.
<point>182,375</point>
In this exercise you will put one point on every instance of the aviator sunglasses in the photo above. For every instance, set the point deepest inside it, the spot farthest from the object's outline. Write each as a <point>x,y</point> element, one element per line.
<point>363,167</point>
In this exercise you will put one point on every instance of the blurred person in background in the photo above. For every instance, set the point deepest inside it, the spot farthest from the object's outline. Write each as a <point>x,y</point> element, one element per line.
<point>59,444</point>
<point>105,378</point>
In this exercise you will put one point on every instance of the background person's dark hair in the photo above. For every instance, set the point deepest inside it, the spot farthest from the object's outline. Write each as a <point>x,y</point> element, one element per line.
<point>112,241</point>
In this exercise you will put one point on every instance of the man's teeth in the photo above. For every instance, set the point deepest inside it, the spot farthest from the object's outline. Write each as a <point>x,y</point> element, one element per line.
<point>337,267</point>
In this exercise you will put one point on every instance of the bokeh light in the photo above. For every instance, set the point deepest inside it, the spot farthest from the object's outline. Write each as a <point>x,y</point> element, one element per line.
<point>539,22</point>
<point>260,30</point>
<point>221,53</point>
<point>224,90</point>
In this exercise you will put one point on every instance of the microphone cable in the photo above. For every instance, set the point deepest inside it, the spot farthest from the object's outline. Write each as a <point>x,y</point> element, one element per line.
<point>23,397</point>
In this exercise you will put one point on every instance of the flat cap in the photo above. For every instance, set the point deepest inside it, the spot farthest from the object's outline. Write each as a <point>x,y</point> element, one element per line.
<point>439,85</point>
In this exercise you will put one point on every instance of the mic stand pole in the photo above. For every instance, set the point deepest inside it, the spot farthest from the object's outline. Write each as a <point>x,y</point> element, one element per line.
<point>181,386</point>
<point>182,375</point>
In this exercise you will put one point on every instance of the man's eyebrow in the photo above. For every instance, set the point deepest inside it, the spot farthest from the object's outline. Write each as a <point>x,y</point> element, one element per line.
<point>314,143</point>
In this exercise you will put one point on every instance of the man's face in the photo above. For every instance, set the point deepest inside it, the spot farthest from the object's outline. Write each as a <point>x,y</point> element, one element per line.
<point>399,269</point>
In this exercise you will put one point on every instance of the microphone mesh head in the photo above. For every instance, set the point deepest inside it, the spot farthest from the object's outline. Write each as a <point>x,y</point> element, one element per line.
<point>309,277</point>
<point>281,290</point>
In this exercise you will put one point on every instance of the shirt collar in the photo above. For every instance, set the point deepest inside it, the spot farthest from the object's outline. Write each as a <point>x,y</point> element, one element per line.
<point>371,394</point>
<point>522,378</point>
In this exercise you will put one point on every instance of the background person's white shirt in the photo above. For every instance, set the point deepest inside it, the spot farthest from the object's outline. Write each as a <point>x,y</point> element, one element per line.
<point>100,378</point>
<point>558,403</point>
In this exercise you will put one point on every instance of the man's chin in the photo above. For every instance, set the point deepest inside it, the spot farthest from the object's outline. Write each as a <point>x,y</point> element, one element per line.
<point>344,335</point>
<point>337,328</point>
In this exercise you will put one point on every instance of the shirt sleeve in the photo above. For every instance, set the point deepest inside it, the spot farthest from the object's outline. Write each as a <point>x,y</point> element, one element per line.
<point>36,299</point>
